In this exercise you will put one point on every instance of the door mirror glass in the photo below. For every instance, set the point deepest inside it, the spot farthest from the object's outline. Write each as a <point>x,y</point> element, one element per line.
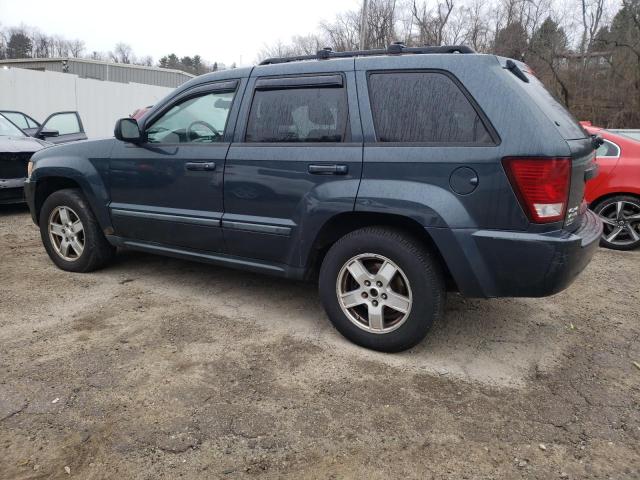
<point>127,130</point>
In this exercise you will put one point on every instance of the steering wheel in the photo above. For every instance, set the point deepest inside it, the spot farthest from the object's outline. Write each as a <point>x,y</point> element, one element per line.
<point>190,132</point>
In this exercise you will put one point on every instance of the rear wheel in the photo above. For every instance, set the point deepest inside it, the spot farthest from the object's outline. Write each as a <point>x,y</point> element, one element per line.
<point>381,288</point>
<point>621,218</point>
<point>71,234</point>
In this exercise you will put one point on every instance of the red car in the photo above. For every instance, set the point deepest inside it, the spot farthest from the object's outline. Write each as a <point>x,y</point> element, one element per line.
<point>615,193</point>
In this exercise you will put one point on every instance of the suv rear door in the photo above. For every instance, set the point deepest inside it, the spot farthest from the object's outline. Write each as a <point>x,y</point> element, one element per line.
<point>296,159</point>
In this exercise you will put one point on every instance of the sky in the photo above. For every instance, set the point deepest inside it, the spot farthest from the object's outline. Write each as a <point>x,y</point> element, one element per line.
<point>223,31</point>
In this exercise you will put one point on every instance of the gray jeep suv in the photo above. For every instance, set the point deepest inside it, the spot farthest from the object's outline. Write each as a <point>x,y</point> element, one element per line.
<point>389,176</point>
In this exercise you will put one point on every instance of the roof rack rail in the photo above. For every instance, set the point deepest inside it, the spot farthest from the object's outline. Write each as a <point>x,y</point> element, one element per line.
<point>396,48</point>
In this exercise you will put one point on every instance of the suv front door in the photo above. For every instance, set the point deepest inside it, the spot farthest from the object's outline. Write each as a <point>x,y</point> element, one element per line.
<point>168,190</point>
<point>295,162</point>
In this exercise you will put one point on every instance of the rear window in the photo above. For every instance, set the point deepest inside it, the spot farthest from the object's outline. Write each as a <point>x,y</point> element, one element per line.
<point>567,125</point>
<point>423,107</point>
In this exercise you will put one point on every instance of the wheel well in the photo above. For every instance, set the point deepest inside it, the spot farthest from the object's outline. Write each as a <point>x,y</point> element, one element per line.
<point>47,186</point>
<point>344,223</point>
<point>609,195</point>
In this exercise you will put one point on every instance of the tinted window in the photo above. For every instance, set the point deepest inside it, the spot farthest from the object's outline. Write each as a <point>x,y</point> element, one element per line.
<point>608,149</point>
<point>298,115</point>
<point>17,118</point>
<point>423,107</point>
<point>197,120</point>
<point>64,123</point>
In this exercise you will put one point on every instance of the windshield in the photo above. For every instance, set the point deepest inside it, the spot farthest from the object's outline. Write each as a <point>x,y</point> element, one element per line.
<point>7,128</point>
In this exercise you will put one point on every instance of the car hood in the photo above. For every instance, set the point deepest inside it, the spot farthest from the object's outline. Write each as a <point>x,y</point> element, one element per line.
<point>9,144</point>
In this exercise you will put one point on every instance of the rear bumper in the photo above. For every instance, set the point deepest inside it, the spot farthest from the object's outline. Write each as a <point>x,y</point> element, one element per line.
<point>11,190</point>
<point>489,263</point>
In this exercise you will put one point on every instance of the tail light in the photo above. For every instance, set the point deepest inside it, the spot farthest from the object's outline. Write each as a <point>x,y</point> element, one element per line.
<point>542,186</point>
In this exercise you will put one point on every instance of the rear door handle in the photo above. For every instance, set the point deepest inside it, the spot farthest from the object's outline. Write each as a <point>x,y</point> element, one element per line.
<point>329,169</point>
<point>200,166</point>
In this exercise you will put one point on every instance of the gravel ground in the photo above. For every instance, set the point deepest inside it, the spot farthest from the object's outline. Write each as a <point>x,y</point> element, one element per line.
<point>157,368</point>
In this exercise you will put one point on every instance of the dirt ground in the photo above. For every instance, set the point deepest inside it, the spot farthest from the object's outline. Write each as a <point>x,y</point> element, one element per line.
<point>158,368</point>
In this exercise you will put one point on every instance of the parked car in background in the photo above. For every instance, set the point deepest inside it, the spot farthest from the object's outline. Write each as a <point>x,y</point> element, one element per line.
<point>138,113</point>
<point>59,127</point>
<point>615,193</point>
<point>16,149</point>
<point>627,132</point>
<point>388,175</point>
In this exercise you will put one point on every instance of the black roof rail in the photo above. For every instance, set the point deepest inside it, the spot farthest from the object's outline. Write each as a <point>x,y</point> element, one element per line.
<point>396,48</point>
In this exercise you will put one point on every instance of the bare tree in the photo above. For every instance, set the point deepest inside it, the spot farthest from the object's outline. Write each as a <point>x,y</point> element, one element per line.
<point>431,23</point>
<point>592,11</point>
<point>122,53</point>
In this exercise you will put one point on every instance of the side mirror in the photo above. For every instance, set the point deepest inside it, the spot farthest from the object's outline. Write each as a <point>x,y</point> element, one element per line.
<point>47,133</point>
<point>127,130</point>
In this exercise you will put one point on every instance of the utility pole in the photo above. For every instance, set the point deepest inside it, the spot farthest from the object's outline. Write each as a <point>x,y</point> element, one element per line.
<point>363,25</point>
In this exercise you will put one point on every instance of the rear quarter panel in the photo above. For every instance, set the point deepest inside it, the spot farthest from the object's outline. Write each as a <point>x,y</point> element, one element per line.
<point>413,179</point>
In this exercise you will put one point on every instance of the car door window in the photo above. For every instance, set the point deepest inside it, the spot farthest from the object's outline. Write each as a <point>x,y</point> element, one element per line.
<point>423,107</point>
<point>64,123</point>
<point>298,115</point>
<point>608,149</point>
<point>200,119</point>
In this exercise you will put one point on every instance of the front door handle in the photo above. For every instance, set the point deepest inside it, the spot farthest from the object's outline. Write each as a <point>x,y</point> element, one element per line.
<point>329,169</point>
<point>200,166</point>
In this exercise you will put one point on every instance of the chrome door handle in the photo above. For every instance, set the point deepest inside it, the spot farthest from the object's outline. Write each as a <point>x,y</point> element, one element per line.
<point>328,169</point>
<point>200,166</point>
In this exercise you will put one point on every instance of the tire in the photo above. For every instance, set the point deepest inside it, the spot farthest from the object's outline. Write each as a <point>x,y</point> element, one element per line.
<point>96,251</point>
<point>417,288</point>
<point>621,217</point>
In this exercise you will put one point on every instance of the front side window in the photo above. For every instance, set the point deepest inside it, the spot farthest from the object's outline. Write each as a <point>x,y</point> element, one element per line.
<point>298,115</point>
<point>423,107</point>
<point>196,120</point>
<point>64,123</point>
<point>608,149</point>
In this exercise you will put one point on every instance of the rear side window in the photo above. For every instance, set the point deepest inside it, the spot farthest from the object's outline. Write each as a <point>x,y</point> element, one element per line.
<point>298,115</point>
<point>423,107</point>
<point>608,149</point>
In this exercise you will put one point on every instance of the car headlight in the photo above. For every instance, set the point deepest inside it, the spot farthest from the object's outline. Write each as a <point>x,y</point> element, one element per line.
<point>29,168</point>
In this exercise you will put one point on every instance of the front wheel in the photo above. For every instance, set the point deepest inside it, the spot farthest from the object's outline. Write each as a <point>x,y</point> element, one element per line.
<point>71,234</point>
<point>621,218</point>
<point>381,288</point>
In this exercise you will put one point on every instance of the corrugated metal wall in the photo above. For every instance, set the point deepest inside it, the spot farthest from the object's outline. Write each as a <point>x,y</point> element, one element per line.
<point>99,103</point>
<point>112,72</point>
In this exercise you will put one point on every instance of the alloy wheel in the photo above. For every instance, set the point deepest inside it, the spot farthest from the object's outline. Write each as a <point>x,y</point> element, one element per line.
<point>66,233</point>
<point>621,222</point>
<point>374,293</point>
